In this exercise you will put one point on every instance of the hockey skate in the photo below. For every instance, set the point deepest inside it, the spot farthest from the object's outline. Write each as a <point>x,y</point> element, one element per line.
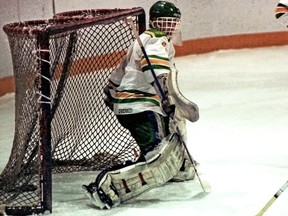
<point>98,197</point>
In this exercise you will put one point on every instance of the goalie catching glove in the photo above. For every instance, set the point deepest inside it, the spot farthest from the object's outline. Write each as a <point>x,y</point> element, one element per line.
<point>187,108</point>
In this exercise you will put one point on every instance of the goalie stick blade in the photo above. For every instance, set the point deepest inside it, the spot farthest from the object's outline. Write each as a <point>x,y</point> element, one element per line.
<point>206,186</point>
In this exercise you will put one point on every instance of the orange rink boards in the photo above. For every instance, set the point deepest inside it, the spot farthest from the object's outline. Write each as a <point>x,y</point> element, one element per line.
<point>202,45</point>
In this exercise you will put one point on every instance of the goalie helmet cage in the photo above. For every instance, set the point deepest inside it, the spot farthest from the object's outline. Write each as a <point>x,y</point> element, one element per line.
<point>61,66</point>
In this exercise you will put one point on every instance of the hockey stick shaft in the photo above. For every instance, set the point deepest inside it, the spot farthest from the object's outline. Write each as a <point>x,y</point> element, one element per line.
<point>272,200</point>
<point>205,188</point>
<point>164,98</point>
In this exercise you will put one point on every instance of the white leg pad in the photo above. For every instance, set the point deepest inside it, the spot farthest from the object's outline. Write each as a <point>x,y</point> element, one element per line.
<point>128,182</point>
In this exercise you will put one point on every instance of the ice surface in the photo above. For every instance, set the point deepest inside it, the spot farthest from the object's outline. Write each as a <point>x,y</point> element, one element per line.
<point>240,141</point>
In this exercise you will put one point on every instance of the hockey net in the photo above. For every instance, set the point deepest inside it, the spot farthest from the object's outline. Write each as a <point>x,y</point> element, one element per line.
<point>61,66</point>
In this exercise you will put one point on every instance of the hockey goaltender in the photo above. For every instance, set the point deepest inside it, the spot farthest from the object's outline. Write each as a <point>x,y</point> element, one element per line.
<point>144,96</point>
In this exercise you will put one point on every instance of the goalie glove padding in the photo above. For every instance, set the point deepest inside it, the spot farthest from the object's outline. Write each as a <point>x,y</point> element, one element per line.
<point>187,108</point>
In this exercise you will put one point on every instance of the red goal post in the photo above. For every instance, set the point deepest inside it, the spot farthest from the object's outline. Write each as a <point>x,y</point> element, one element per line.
<point>61,66</point>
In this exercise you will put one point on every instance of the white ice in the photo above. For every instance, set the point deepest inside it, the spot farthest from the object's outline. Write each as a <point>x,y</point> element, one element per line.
<point>240,141</point>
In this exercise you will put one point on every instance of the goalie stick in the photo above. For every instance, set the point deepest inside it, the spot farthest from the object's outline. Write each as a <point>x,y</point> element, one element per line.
<point>272,200</point>
<point>206,187</point>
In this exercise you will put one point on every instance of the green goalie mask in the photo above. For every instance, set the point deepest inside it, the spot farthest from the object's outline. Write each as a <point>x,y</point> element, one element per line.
<point>165,16</point>
<point>164,9</point>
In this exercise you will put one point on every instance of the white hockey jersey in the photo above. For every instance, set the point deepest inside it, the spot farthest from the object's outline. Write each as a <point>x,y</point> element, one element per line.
<point>132,81</point>
<point>281,12</point>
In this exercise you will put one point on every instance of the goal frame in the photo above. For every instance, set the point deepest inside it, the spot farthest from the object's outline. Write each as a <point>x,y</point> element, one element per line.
<point>47,28</point>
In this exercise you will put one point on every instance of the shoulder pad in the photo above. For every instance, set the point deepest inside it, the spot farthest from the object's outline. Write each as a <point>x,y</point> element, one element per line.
<point>155,33</point>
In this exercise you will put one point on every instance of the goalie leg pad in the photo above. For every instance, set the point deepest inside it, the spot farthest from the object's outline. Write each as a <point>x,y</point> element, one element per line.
<point>120,185</point>
<point>187,171</point>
